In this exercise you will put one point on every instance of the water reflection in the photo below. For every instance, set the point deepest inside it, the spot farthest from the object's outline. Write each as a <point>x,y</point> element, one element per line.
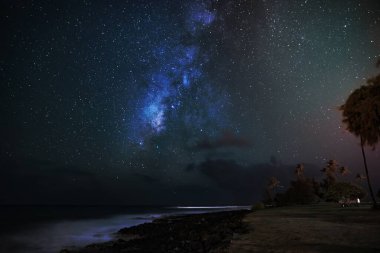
<point>67,227</point>
<point>54,236</point>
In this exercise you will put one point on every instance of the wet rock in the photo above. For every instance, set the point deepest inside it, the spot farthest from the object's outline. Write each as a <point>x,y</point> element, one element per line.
<point>188,234</point>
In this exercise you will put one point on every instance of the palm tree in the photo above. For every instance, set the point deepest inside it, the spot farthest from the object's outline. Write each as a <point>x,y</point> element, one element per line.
<point>361,114</point>
<point>330,173</point>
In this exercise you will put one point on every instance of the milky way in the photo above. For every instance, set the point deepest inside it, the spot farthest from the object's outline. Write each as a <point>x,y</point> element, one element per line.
<point>178,73</point>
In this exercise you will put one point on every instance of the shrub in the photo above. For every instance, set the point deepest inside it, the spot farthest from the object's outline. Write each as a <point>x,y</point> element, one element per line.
<point>299,192</point>
<point>258,206</point>
<point>344,190</point>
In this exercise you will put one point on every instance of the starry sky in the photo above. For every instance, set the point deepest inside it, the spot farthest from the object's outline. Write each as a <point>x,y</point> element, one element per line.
<point>177,102</point>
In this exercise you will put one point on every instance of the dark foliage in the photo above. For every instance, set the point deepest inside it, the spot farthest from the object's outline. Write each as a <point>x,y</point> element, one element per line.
<point>361,112</point>
<point>300,192</point>
<point>344,190</point>
<point>330,172</point>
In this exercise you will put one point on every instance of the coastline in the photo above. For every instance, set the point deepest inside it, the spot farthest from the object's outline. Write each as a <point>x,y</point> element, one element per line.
<point>318,228</point>
<point>205,232</point>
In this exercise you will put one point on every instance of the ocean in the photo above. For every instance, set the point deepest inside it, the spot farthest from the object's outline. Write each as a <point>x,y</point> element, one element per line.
<point>48,229</point>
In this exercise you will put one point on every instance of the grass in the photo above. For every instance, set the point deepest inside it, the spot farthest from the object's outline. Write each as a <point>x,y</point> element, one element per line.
<point>314,228</point>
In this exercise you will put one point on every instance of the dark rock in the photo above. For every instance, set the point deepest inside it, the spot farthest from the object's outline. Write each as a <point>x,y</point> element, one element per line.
<point>188,234</point>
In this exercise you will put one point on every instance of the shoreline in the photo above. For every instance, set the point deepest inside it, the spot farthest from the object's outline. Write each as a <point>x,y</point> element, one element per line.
<point>318,228</point>
<point>205,232</point>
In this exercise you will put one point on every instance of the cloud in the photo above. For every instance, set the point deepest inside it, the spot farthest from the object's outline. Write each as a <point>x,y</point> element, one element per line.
<point>26,181</point>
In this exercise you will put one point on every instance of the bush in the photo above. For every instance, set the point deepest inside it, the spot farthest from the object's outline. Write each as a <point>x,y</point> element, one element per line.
<point>258,206</point>
<point>344,190</point>
<point>299,192</point>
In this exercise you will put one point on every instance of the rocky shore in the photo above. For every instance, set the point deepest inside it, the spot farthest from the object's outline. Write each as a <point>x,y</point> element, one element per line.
<point>210,232</point>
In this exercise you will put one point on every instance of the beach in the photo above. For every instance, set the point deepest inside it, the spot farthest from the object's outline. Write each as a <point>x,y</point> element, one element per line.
<point>309,228</point>
<point>208,232</point>
<point>49,229</point>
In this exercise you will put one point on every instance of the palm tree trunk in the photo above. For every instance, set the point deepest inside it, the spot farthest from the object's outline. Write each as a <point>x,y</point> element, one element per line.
<point>366,172</point>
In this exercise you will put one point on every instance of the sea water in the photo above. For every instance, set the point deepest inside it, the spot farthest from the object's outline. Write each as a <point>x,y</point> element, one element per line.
<point>48,229</point>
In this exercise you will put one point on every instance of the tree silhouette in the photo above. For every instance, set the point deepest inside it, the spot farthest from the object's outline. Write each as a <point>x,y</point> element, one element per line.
<point>272,185</point>
<point>344,190</point>
<point>330,173</point>
<point>361,114</point>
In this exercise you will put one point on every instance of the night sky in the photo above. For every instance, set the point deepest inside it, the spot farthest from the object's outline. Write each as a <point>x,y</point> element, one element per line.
<point>177,102</point>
